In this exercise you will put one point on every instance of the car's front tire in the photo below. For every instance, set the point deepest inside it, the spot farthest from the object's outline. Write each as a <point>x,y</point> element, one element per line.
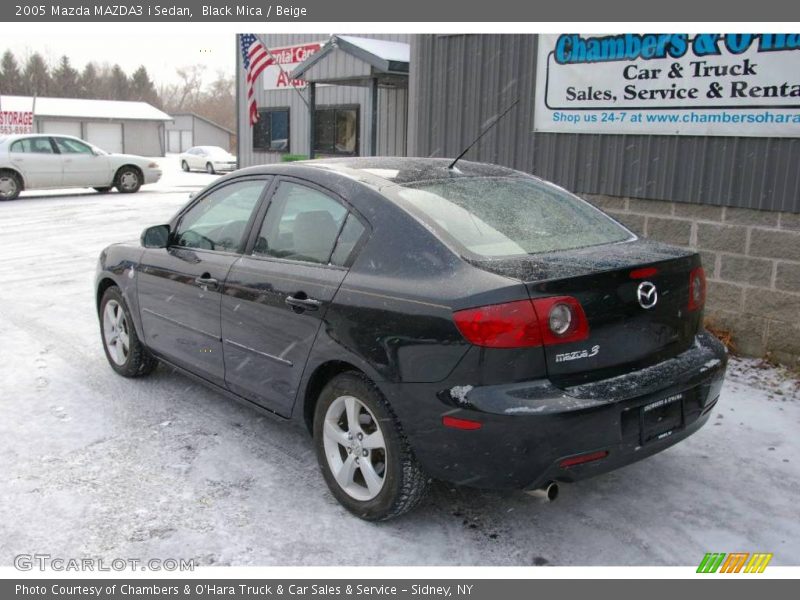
<point>128,180</point>
<point>210,169</point>
<point>10,185</point>
<point>185,166</point>
<point>125,352</point>
<point>364,456</point>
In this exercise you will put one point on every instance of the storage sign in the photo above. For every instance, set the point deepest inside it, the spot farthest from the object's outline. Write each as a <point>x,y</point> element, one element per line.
<point>669,84</point>
<point>276,76</point>
<point>15,121</point>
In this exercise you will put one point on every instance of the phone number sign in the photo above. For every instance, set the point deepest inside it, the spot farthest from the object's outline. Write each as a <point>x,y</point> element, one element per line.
<point>669,84</point>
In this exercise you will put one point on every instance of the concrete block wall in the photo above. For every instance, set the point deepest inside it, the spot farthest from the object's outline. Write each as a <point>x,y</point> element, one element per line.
<point>752,263</point>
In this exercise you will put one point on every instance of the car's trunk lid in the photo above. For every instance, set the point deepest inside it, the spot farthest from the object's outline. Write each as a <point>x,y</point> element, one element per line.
<point>628,328</point>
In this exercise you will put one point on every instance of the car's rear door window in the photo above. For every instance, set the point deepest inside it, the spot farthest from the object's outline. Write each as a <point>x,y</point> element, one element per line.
<point>302,223</point>
<point>218,220</point>
<point>351,234</point>
<point>510,216</point>
<point>40,145</point>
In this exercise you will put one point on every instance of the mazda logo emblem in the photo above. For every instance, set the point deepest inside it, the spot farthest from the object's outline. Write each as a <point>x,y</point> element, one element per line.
<point>647,294</point>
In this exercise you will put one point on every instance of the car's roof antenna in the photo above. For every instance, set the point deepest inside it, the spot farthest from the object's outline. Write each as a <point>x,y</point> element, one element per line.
<point>484,132</point>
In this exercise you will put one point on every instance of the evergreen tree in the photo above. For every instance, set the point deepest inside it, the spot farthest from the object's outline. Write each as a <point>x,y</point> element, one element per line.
<point>10,76</point>
<point>119,85</point>
<point>36,76</point>
<point>65,80</point>
<point>142,87</point>
<point>88,82</point>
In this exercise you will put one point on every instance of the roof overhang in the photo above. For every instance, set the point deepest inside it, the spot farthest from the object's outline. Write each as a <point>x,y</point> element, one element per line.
<point>349,60</point>
<point>79,108</point>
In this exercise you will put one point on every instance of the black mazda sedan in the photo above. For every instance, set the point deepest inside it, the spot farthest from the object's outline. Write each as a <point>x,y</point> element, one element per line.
<point>472,323</point>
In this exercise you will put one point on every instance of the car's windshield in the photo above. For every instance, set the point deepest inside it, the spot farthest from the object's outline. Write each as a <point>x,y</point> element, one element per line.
<point>510,216</point>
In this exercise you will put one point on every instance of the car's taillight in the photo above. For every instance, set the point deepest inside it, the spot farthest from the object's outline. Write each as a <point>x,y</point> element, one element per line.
<point>508,325</point>
<point>697,289</point>
<point>561,320</point>
<point>524,323</point>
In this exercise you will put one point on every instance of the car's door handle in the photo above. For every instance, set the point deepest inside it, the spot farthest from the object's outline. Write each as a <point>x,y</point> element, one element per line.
<point>206,281</point>
<point>302,303</point>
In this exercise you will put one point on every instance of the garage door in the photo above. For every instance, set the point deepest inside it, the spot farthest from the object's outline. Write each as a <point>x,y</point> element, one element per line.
<point>62,127</point>
<point>174,141</point>
<point>107,136</point>
<point>186,140</point>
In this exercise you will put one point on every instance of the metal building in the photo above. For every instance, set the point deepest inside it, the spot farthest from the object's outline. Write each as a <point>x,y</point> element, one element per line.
<point>458,82</point>
<point>190,129</point>
<point>114,126</point>
<point>340,77</point>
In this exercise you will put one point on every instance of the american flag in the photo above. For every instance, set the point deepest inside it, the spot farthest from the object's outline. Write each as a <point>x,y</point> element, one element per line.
<point>255,58</point>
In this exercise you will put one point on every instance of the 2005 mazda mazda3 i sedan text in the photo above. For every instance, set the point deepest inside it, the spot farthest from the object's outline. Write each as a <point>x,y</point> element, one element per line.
<point>472,324</point>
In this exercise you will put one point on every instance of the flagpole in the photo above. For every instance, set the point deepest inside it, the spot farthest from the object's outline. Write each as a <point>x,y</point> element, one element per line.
<point>269,53</point>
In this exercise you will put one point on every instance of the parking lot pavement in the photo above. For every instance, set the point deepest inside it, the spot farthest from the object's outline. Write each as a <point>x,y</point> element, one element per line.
<point>97,465</point>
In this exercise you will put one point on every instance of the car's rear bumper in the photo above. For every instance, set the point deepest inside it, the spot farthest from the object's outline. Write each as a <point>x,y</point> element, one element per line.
<point>152,175</point>
<point>528,429</point>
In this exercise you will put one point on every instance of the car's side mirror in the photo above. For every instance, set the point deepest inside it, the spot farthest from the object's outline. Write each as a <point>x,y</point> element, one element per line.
<point>156,236</point>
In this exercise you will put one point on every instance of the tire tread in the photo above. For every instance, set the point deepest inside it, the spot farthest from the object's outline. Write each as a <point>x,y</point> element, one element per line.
<point>414,483</point>
<point>140,361</point>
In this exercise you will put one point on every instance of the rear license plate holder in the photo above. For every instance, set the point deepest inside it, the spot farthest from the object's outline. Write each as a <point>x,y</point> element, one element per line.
<point>661,418</point>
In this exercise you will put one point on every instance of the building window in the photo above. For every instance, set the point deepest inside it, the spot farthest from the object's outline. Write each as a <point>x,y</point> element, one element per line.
<point>336,130</point>
<point>271,132</point>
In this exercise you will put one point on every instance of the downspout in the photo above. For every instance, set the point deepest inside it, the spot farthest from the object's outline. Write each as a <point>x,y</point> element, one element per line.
<point>239,96</point>
<point>312,102</point>
<point>373,134</point>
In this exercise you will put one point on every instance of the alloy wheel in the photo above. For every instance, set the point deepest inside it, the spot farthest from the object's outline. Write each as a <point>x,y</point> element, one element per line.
<point>129,180</point>
<point>8,187</point>
<point>355,448</point>
<point>115,332</point>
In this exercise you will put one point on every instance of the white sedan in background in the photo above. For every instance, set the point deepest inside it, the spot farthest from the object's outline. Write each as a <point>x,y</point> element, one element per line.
<point>211,159</point>
<point>41,161</point>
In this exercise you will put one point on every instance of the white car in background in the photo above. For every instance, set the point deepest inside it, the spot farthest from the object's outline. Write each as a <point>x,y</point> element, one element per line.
<point>41,161</point>
<point>211,159</point>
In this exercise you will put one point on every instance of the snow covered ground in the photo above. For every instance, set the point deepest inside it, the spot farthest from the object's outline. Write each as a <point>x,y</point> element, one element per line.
<point>97,465</point>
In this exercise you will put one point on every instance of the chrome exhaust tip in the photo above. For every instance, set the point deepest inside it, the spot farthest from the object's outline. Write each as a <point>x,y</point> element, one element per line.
<point>546,493</point>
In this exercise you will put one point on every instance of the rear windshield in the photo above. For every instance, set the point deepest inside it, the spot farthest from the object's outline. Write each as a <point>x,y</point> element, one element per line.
<point>510,216</point>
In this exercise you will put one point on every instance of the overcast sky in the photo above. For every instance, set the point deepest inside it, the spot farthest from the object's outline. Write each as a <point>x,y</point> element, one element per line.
<point>160,54</point>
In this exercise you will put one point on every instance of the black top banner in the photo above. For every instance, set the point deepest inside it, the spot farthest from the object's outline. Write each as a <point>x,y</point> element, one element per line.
<point>406,11</point>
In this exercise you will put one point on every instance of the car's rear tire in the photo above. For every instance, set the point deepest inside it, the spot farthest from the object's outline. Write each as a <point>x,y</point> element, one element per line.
<point>364,456</point>
<point>10,185</point>
<point>210,169</point>
<point>185,166</point>
<point>125,352</point>
<point>128,180</point>
<point>103,190</point>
